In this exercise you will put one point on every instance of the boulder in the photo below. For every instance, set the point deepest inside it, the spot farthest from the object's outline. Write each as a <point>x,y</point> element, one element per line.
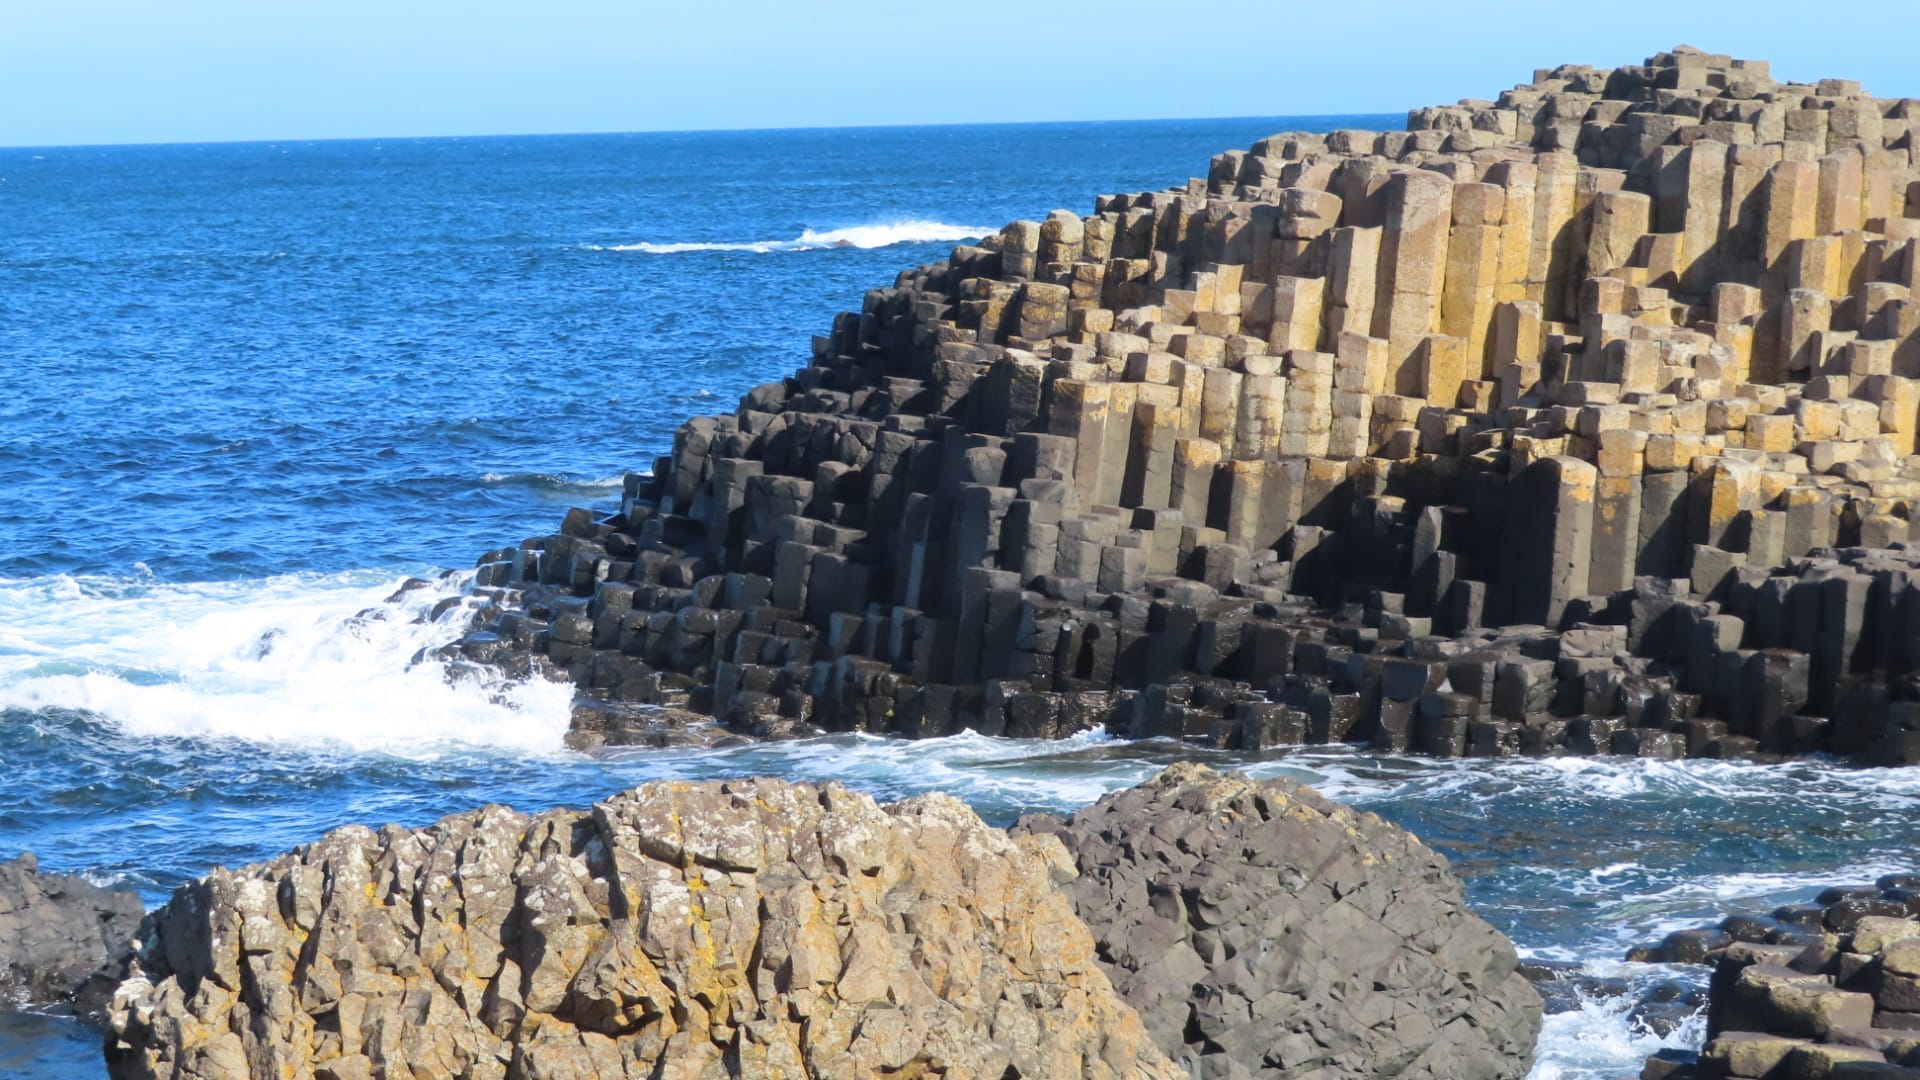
<point>754,928</point>
<point>1262,930</point>
<point>63,939</point>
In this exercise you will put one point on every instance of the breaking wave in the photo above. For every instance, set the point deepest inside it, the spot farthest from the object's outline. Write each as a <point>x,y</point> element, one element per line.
<point>299,659</point>
<point>864,237</point>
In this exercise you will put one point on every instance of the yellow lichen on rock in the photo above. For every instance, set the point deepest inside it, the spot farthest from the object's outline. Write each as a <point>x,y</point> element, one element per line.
<point>690,930</point>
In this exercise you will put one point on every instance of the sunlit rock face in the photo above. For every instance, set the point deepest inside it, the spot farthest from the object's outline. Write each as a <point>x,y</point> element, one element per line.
<point>754,929</point>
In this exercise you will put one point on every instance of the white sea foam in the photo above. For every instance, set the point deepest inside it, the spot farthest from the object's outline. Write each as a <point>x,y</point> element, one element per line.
<point>556,482</point>
<point>1754,891</point>
<point>1357,775</point>
<point>994,774</point>
<point>283,660</point>
<point>865,237</point>
<point>1600,1038</point>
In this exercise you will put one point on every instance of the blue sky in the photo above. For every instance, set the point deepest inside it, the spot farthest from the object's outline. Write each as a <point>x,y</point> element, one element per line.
<point>97,71</point>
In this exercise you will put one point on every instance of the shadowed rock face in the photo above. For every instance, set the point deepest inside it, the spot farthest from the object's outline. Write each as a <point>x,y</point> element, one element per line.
<point>755,928</point>
<point>1264,931</point>
<point>61,938</point>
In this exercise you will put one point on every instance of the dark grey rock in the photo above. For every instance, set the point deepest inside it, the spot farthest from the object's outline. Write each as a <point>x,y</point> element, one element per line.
<point>63,939</point>
<point>597,724</point>
<point>1262,930</point>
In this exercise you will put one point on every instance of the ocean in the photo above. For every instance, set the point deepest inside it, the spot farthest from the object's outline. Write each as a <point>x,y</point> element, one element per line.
<point>246,389</point>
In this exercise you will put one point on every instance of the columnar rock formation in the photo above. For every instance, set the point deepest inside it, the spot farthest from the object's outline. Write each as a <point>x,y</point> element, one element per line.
<point>1263,931</point>
<point>748,929</point>
<point>1817,991</point>
<point>1580,420</point>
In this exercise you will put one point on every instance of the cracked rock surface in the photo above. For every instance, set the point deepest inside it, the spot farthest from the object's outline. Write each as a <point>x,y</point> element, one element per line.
<point>680,930</point>
<point>1263,930</point>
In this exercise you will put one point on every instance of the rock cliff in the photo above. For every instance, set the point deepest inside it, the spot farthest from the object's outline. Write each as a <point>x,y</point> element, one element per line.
<point>1264,931</point>
<point>753,929</point>
<point>1580,420</point>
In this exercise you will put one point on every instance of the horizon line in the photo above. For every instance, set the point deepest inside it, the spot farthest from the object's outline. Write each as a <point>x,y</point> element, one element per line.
<point>278,140</point>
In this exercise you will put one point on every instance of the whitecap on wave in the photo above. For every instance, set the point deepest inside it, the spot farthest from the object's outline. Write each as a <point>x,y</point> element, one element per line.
<point>295,659</point>
<point>1355,774</point>
<point>999,777</point>
<point>554,482</point>
<point>865,237</point>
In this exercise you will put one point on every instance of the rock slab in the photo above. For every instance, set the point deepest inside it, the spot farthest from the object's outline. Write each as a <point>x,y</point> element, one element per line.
<point>61,936</point>
<point>1820,991</point>
<point>1262,930</point>
<point>680,930</point>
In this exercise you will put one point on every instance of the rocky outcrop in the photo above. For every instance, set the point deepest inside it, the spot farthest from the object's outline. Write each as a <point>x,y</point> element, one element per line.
<point>1581,420</point>
<point>1264,931</point>
<point>63,939</point>
<point>749,929</point>
<point>1809,992</point>
<point>600,724</point>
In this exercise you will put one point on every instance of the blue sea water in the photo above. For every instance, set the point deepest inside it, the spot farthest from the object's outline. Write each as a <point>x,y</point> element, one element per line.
<point>247,388</point>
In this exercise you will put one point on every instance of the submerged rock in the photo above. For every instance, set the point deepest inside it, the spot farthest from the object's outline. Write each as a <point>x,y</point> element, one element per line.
<point>753,928</point>
<point>1265,931</point>
<point>63,939</point>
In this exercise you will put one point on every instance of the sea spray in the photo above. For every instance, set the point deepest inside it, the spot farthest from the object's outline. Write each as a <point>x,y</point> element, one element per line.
<point>1602,1036</point>
<point>300,659</point>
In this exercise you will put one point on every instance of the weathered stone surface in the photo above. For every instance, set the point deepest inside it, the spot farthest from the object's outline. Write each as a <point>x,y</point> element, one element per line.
<point>1264,931</point>
<point>62,938</point>
<point>748,929</point>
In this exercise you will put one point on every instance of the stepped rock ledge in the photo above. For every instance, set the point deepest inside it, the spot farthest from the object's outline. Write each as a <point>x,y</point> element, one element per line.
<point>768,929</point>
<point>1822,991</point>
<point>1578,421</point>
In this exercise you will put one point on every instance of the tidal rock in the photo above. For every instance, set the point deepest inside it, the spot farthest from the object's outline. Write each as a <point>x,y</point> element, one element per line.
<point>1262,930</point>
<point>63,939</point>
<point>1840,999</point>
<point>754,928</point>
<point>598,724</point>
